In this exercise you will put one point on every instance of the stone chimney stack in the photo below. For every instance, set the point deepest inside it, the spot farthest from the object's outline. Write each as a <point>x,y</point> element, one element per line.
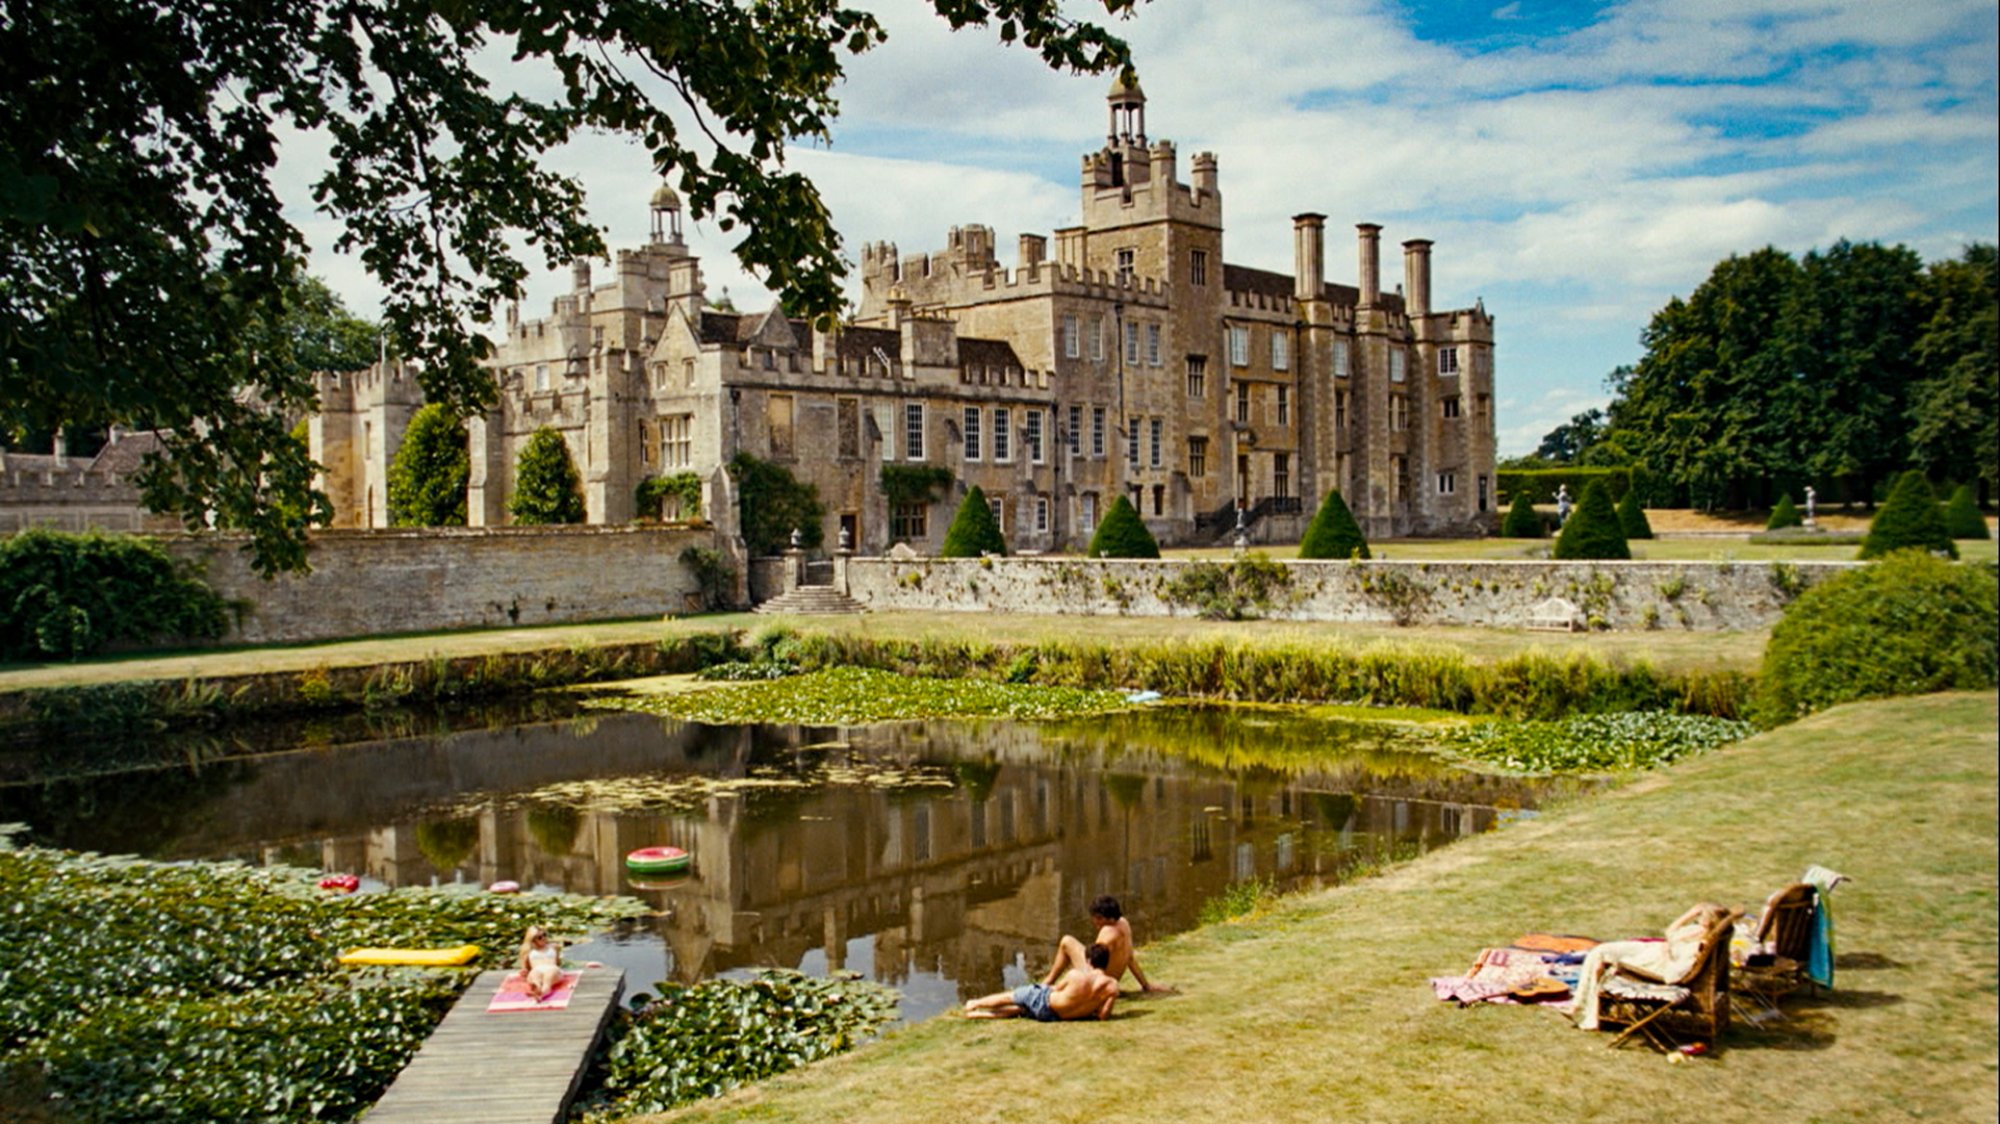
<point>1309,256</point>
<point>1370,239</point>
<point>579,275</point>
<point>1417,277</point>
<point>899,307</point>
<point>1034,250</point>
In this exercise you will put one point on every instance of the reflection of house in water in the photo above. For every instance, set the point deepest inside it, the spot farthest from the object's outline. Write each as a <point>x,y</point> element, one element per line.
<point>957,882</point>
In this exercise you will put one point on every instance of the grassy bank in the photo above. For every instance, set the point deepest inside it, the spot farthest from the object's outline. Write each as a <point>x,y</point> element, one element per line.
<point>1517,674</point>
<point>1317,1008</point>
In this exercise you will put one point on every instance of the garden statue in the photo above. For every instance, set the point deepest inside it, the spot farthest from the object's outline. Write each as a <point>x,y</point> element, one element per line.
<point>1812,498</point>
<point>1562,504</point>
<point>1242,533</point>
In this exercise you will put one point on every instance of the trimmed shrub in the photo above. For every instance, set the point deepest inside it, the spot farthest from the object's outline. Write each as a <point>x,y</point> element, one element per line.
<point>64,595</point>
<point>1523,521</point>
<point>427,479</point>
<point>772,503</point>
<point>1593,530</point>
<point>1333,532</point>
<point>973,530</point>
<point>1911,518</point>
<point>547,488</point>
<point>1632,517</point>
<point>1784,515</point>
<point>1908,625</point>
<point>1962,518</point>
<point>1122,534</point>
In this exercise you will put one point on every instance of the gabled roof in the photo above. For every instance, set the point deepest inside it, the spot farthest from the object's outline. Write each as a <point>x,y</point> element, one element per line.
<point>738,328</point>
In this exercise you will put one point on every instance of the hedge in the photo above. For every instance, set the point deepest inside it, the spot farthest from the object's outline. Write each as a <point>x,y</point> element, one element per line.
<point>1540,484</point>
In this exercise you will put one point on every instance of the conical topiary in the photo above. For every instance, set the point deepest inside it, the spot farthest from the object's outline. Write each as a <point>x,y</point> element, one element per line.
<point>1333,532</point>
<point>1632,517</point>
<point>1910,518</point>
<point>1784,515</point>
<point>1962,518</point>
<point>1123,534</point>
<point>1593,530</point>
<point>1523,521</point>
<point>547,488</point>
<point>973,530</point>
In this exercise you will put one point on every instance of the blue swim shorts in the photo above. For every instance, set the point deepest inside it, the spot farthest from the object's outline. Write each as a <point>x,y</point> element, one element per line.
<point>1034,999</point>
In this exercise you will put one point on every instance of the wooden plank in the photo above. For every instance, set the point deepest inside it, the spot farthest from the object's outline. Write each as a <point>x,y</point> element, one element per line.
<point>521,1067</point>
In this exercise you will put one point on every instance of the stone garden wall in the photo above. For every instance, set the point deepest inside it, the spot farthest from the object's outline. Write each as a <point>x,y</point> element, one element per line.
<point>372,582</point>
<point>1618,595</point>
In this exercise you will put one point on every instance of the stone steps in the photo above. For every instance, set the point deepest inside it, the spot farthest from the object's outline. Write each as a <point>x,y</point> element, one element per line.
<point>812,600</point>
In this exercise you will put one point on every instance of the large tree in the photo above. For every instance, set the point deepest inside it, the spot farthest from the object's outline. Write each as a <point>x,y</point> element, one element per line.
<point>1953,412</point>
<point>428,477</point>
<point>1835,370</point>
<point>144,251</point>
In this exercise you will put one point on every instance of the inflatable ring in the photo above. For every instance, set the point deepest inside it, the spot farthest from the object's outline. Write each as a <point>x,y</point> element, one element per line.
<point>658,860</point>
<point>504,886</point>
<point>340,883</point>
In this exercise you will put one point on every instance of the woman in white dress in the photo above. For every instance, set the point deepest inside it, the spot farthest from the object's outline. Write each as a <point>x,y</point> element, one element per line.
<point>1670,960</point>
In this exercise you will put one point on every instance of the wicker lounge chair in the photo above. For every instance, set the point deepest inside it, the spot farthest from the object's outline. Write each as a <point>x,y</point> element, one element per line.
<point>1668,1013</point>
<point>1784,939</point>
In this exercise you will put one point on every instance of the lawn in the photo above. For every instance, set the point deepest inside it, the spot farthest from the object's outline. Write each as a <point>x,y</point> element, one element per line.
<point>1317,1008</point>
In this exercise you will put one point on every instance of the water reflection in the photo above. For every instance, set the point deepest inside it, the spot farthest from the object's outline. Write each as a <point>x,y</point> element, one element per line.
<point>946,865</point>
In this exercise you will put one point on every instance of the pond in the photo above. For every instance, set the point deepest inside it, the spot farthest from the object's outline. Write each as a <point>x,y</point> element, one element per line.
<point>941,858</point>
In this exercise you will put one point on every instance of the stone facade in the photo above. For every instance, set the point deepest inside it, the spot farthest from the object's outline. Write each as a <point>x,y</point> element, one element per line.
<point>381,582</point>
<point>1135,361</point>
<point>75,494</point>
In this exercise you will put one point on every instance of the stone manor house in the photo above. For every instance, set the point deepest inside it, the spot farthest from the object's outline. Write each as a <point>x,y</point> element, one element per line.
<point>1128,358</point>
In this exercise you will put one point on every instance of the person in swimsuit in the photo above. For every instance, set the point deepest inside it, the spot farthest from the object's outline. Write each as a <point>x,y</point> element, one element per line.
<point>541,962</point>
<point>1114,932</point>
<point>1085,992</point>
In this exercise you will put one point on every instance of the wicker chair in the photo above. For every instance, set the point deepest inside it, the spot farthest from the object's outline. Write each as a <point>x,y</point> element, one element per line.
<point>1784,939</point>
<point>1669,1013</point>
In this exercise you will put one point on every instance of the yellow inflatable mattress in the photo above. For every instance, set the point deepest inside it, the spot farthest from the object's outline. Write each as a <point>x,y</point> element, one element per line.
<point>423,957</point>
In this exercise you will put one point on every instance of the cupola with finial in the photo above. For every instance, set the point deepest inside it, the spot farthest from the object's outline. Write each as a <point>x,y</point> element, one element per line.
<point>666,208</point>
<point>1128,110</point>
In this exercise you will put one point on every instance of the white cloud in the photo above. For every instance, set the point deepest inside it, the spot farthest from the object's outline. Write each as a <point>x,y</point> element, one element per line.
<point>1577,180</point>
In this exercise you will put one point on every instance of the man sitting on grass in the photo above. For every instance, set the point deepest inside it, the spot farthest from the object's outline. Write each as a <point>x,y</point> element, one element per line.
<point>1086,992</point>
<point>1115,934</point>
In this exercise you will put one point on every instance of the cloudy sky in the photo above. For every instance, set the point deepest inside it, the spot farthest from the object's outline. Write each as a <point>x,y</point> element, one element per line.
<point>1577,163</point>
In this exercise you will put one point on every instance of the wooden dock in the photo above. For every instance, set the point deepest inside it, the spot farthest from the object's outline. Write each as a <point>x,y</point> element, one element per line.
<point>520,1067</point>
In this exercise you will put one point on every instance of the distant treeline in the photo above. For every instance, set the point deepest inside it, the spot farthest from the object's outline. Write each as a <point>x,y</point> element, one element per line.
<point>1837,370</point>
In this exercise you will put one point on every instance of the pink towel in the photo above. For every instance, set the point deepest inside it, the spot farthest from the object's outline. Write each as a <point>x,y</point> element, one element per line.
<point>513,994</point>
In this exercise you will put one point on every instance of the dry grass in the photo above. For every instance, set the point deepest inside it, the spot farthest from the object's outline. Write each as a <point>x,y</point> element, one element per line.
<point>1318,1010</point>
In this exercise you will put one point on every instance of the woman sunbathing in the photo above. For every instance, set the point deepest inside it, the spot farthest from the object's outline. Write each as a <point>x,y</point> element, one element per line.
<point>1668,961</point>
<point>541,962</point>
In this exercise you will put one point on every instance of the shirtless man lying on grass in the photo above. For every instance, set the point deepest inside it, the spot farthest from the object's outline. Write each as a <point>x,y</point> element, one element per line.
<point>1085,993</point>
<point>1115,934</point>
